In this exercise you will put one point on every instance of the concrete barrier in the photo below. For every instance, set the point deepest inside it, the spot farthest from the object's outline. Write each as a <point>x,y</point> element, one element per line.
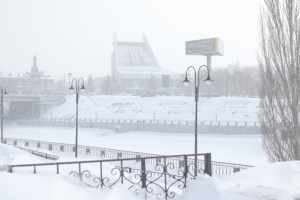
<point>159,126</point>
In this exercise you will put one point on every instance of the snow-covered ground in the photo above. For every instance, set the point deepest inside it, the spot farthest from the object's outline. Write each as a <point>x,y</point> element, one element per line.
<point>241,149</point>
<point>162,108</point>
<point>279,181</point>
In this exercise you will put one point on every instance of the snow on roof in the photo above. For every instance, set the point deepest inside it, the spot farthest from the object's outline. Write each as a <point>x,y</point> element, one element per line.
<point>143,70</point>
<point>134,54</point>
<point>136,58</point>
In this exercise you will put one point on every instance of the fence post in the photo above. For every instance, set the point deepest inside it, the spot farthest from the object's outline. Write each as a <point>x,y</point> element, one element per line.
<point>80,170</point>
<point>121,172</point>
<point>101,179</point>
<point>207,164</point>
<point>143,171</point>
<point>185,169</point>
<point>165,177</point>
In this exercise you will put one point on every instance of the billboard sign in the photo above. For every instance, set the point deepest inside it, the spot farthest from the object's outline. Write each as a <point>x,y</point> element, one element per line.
<point>211,46</point>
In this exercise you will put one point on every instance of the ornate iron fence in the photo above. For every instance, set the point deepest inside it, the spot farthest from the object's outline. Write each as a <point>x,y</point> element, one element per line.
<point>218,168</point>
<point>163,181</point>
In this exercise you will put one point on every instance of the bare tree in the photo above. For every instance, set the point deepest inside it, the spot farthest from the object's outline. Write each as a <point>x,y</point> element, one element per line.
<point>279,90</point>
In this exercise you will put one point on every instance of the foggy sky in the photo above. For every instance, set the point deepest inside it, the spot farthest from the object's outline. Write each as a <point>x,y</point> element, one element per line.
<point>76,35</point>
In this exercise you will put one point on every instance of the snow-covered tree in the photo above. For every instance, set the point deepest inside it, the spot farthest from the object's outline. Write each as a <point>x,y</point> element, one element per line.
<point>279,61</point>
<point>90,86</point>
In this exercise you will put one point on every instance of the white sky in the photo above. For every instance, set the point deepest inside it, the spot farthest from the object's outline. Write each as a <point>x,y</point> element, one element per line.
<point>76,35</point>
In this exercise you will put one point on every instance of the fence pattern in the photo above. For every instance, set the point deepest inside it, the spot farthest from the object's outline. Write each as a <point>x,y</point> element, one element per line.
<point>163,182</point>
<point>218,168</point>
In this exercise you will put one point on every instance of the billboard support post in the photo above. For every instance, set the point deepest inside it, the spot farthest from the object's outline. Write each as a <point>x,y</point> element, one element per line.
<point>208,87</point>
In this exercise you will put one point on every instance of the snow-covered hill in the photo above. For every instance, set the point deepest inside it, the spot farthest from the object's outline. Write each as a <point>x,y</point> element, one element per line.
<point>162,108</point>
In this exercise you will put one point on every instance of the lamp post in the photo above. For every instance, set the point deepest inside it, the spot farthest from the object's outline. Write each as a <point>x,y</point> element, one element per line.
<point>196,80</point>
<point>76,88</point>
<point>2,111</point>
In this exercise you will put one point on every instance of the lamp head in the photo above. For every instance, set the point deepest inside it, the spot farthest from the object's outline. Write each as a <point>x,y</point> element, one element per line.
<point>208,80</point>
<point>71,88</point>
<point>82,88</point>
<point>186,81</point>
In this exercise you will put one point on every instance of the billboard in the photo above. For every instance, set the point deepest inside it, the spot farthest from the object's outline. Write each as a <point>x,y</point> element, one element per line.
<point>207,47</point>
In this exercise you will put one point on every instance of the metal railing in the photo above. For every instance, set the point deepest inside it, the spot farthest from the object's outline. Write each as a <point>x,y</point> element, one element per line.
<point>218,168</point>
<point>149,121</point>
<point>40,154</point>
<point>164,181</point>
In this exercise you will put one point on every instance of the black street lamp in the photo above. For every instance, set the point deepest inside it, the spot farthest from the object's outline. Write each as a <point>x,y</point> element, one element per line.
<point>76,85</point>
<point>197,84</point>
<point>2,111</point>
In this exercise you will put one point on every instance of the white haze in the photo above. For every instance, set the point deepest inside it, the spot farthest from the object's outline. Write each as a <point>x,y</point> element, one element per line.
<point>76,36</point>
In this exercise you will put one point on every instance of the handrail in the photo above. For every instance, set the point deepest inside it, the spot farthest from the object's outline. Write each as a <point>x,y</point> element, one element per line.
<point>41,154</point>
<point>166,181</point>
<point>107,160</point>
<point>220,168</point>
<point>157,121</point>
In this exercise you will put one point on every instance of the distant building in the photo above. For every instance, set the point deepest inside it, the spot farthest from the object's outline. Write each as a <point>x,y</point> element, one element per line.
<point>34,82</point>
<point>135,69</point>
<point>99,84</point>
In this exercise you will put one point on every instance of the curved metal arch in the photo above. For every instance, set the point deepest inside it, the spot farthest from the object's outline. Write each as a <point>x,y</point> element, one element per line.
<point>199,72</point>
<point>77,84</point>
<point>188,71</point>
<point>74,86</point>
<point>82,81</point>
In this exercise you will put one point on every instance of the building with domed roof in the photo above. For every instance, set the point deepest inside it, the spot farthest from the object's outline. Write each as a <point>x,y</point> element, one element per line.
<point>33,82</point>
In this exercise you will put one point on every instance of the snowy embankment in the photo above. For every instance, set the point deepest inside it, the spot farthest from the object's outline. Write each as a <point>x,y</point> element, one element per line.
<point>160,108</point>
<point>240,149</point>
<point>280,181</point>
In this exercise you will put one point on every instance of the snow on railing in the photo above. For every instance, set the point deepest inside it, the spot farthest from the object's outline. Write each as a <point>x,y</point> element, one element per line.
<point>164,180</point>
<point>148,121</point>
<point>40,154</point>
<point>218,168</point>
